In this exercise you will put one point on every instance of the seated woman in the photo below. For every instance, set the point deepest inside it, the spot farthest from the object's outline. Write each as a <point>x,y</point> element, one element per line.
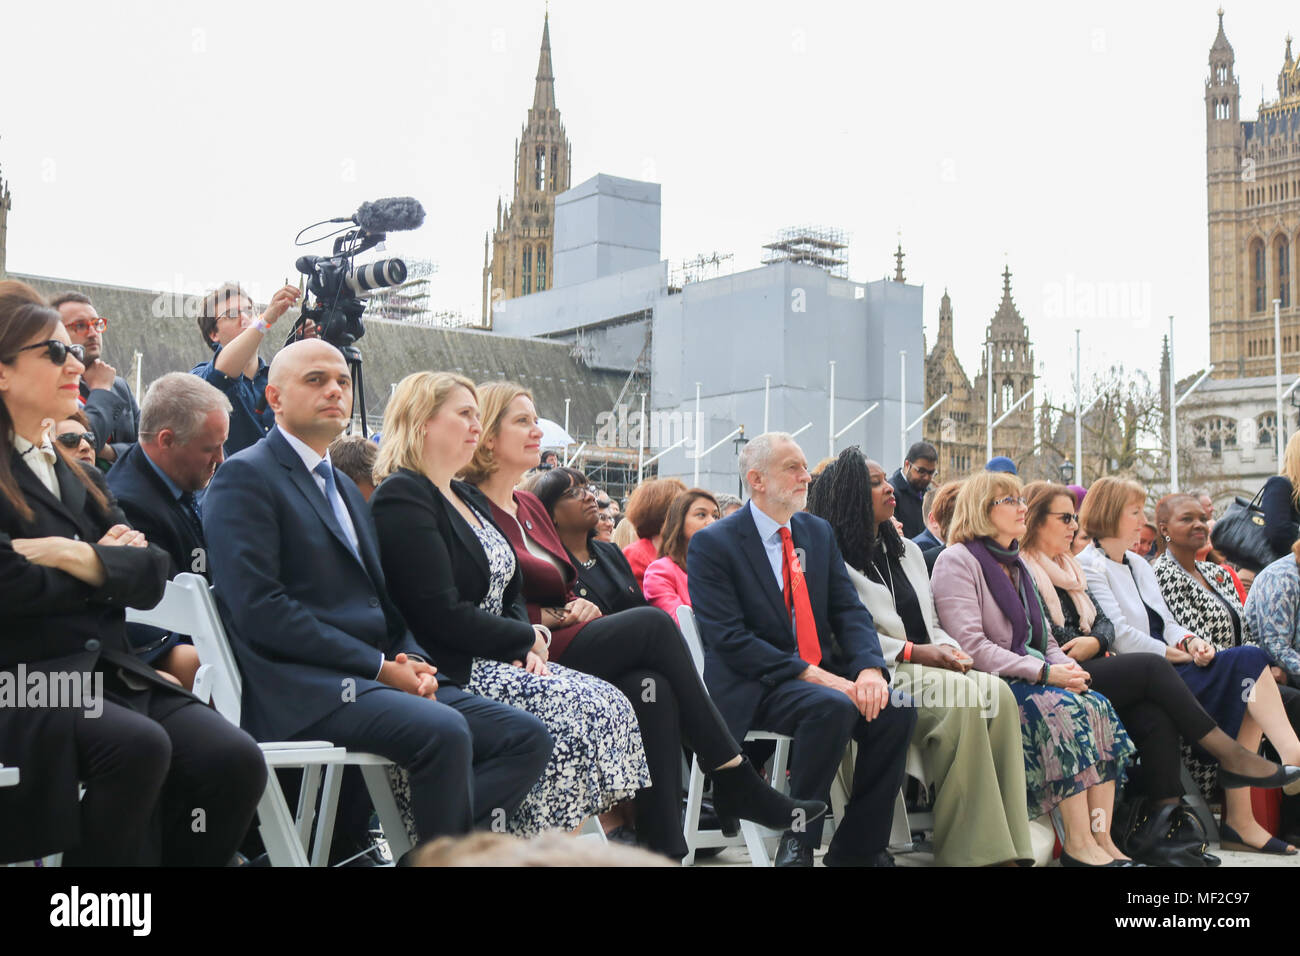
<point>1125,587</point>
<point>968,731</point>
<point>604,576</point>
<point>74,434</point>
<point>639,651</point>
<point>1155,704</point>
<point>1272,615</point>
<point>1075,748</point>
<point>665,577</point>
<point>646,509</point>
<point>145,751</point>
<point>454,577</point>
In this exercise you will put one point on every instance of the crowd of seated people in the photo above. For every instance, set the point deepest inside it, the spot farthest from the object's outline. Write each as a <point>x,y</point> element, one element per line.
<point>506,636</point>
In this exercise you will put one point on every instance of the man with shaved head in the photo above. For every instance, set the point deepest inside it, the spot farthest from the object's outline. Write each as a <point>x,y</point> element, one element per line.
<point>324,652</point>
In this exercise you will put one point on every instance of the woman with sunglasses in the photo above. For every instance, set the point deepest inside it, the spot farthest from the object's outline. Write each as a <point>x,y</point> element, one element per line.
<point>146,752</point>
<point>639,651</point>
<point>74,434</point>
<point>1075,747</point>
<point>1156,706</point>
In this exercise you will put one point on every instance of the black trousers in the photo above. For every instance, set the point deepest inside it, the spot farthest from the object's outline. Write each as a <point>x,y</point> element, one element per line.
<point>1157,709</point>
<point>641,652</point>
<point>179,790</point>
<point>471,761</point>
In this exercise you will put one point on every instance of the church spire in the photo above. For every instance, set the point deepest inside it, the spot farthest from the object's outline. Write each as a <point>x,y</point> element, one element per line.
<point>945,321</point>
<point>898,263</point>
<point>544,94</point>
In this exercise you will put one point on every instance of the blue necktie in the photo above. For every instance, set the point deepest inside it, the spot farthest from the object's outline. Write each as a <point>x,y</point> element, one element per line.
<point>191,506</point>
<point>336,502</point>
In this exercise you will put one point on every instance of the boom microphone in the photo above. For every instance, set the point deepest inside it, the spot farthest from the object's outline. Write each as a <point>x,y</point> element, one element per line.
<point>390,215</point>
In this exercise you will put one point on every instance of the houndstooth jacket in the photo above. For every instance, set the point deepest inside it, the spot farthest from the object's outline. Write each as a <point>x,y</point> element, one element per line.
<point>1199,612</point>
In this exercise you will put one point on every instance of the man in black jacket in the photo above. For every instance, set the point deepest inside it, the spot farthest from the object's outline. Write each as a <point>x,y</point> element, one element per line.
<point>157,482</point>
<point>910,483</point>
<point>107,399</point>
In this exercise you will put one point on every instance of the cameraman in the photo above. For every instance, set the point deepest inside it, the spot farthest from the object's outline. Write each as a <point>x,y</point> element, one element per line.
<point>233,330</point>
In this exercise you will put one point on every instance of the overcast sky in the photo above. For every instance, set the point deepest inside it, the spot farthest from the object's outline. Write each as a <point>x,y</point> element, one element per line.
<point>174,145</point>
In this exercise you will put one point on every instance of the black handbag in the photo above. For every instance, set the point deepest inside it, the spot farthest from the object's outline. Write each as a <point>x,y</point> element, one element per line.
<point>1239,534</point>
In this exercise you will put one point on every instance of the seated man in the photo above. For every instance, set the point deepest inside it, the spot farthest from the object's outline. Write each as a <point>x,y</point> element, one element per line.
<point>355,456</point>
<point>183,423</point>
<point>789,648</point>
<point>324,653</point>
<point>106,397</point>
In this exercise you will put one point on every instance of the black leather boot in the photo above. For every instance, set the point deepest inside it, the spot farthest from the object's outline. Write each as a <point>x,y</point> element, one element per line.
<point>739,793</point>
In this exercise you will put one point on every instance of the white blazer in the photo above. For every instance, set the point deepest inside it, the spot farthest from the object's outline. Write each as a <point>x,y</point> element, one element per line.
<point>878,600</point>
<point>1120,590</point>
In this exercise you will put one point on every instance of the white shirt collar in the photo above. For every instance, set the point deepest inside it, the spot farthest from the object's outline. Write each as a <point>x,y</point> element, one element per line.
<point>767,526</point>
<point>305,451</point>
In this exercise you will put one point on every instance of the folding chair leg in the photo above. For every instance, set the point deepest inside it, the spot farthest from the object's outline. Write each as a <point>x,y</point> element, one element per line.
<point>900,835</point>
<point>755,842</point>
<point>307,803</point>
<point>381,795</point>
<point>694,801</point>
<point>329,805</point>
<point>279,835</point>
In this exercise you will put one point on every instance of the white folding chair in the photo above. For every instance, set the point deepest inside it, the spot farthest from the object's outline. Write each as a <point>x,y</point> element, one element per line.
<point>187,607</point>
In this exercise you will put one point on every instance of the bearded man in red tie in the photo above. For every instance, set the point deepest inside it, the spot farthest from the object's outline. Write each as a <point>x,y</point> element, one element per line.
<point>789,648</point>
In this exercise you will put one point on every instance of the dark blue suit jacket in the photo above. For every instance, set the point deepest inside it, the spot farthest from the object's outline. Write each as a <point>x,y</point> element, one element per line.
<point>304,616</point>
<point>930,547</point>
<point>749,645</point>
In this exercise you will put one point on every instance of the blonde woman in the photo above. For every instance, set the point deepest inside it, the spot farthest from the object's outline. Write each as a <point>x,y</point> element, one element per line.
<point>454,577</point>
<point>1075,747</point>
<point>639,650</point>
<point>1281,501</point>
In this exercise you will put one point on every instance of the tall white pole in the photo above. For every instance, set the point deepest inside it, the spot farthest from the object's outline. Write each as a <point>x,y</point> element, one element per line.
<point>767,395</point>
<point>139,365</point>
<point>698,436</point>
<point>1078,410</point>
<point>640,442</point>
<point>902,407</point>
<point>988,401</point>
<point>1277,377</point>
<point>830,430</point>
<point>566,416</point>
<point>1173,416</point>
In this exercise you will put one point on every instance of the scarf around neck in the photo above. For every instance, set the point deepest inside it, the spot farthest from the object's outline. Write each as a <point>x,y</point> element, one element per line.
<point>1065,573</point>
<point>1018,602</point>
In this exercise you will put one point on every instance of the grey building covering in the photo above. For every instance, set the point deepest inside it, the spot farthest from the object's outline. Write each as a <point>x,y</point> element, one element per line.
<point>605,226</point>
<point>156,325</point>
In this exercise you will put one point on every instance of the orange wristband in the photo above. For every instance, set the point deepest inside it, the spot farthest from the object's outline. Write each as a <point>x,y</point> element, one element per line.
<point>907,652</point>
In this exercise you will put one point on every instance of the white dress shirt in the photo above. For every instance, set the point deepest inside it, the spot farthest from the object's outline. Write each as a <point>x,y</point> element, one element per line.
<point>311,460</point>
<point>40,459</point>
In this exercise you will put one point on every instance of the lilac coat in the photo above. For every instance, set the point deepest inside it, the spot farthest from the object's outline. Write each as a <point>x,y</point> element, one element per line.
<point>968,613</point>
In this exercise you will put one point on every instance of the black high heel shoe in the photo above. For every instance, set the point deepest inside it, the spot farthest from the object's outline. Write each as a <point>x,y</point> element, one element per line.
<point>1067,860</point>
<point>1285,776</point>
<point>739,793</point>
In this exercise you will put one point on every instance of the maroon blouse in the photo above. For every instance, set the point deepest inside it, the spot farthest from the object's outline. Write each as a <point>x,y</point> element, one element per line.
<point>543,584</point>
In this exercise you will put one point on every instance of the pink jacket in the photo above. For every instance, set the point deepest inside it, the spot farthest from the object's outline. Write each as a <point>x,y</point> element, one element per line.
<point>968,613</point>
<point>664,585</point>
<point>640,553</point>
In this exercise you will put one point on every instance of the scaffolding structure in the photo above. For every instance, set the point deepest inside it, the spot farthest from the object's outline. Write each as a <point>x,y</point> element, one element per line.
<point>409,301</point>
<point>822,246</point>
<point>704,266</point>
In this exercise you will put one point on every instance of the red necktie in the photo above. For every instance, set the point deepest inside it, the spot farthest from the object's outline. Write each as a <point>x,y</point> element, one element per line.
<point>796,600</point>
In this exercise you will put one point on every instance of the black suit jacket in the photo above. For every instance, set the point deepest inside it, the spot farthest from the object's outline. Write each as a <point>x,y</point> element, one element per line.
<point>930,547</point>
<point>309,622</point>
<point>438,573</point>
<point>749,643</point>
<point>615,589</point>
<point>52,622</point>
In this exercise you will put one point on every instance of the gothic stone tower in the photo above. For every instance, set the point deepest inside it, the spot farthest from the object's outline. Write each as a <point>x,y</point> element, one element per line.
<point>520,258</point>
<point>957,428</point>
<point>1254,218</point>
<point>4,222</point>
<point>1013,375</point>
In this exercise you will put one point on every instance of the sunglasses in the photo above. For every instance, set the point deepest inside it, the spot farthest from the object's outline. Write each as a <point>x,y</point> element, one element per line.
<point>86,326</point>
<point>73,440</point>
<point>1067,517</point>
<point>56,351</point>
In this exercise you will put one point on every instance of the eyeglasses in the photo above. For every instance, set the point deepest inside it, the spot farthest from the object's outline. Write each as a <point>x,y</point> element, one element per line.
<point>602,504</point>
<point>578,492</point>
<point>73,440</point>
<point>86,326</point>
<point>1010,500</point>
<point>605,518</point>
<point>57,352</point>
<point>1067,517</point>
<point>924,472</point>
<point>243,312</point>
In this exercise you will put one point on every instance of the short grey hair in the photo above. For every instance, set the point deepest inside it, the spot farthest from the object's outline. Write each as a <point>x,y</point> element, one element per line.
<point>726,501</point>
<point>179,402</point>
<point>757,455</point>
